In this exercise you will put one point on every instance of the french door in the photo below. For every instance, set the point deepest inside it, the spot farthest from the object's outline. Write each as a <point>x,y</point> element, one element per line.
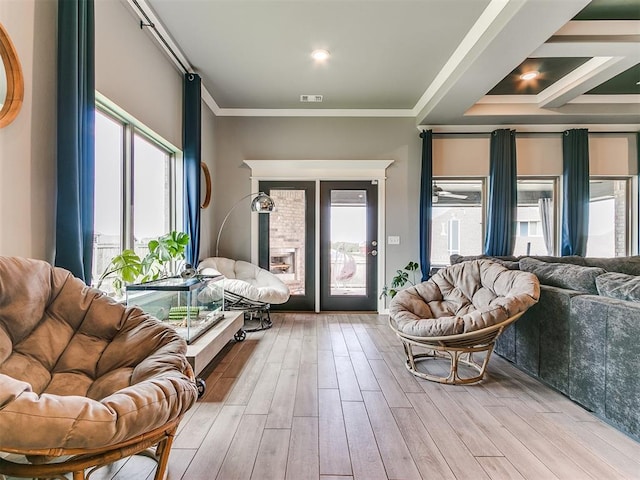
<point>348,245</point>
<point>340,259</point>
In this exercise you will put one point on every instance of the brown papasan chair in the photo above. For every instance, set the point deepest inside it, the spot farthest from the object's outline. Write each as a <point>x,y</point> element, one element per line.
<point>82,376</point>
<point>459,311</point>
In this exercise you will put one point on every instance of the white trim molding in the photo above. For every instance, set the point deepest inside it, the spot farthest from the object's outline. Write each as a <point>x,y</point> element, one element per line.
<point>319,169</point>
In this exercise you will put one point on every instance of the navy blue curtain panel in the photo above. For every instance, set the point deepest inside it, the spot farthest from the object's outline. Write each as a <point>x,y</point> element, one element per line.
<point>575,182</point>
<point>500,237</point>
<point>191,147</point>
<point>75,137</point>
<point>426,202</point>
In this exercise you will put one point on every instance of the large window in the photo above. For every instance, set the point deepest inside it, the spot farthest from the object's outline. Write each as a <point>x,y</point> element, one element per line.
<point>608,217</point>
<point>457,226</point>
<point>535,229</point>
<point>138,187</point>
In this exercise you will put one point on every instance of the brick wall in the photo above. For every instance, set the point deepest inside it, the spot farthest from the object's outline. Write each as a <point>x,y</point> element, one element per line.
<point>287,237</point>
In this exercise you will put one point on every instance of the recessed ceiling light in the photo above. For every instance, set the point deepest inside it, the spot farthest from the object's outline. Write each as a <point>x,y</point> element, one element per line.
<point>320,55</point>
<point>529,75</point>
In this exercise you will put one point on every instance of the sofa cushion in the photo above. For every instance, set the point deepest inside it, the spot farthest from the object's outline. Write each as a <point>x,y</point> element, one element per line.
<point>572,259</point>
<point>619,285</point>
<point>629,265</point>
<point>563,275</point>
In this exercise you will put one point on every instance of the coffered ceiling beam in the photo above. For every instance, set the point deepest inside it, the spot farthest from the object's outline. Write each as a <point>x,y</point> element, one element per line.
<point>587,76</point>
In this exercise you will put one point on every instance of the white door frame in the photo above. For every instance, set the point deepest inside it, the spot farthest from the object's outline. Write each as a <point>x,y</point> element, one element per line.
<point>319,170</point>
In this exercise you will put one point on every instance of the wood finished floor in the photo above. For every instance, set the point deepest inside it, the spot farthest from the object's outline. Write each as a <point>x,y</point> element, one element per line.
<point>322,396</point>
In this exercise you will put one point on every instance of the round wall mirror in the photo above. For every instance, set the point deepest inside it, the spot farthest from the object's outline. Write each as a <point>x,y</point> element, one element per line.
<point>11,82</point>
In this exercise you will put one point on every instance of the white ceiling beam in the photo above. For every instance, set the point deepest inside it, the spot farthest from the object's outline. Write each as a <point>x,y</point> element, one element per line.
<point>608,99</point>
<point>485,28</point>
<point>587,76</point>
<point>523,110</point>
<point>513,33</point>
<point>586,48</point>
<point>586,28</point>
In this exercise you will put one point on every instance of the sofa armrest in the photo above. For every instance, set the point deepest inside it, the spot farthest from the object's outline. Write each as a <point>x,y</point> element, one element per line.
<point>604,353</point>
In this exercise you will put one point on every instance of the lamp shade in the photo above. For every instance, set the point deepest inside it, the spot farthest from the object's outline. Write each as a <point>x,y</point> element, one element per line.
<point>263,203</point>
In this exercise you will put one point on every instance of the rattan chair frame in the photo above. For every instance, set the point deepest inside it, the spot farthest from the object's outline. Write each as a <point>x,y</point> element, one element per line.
<point>458,349</point>
<point>80,459</point>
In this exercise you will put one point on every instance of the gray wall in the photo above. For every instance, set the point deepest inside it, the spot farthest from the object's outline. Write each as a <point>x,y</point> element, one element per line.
<point>134,73</point>
<point>28,145</point>
<point>240,139</point>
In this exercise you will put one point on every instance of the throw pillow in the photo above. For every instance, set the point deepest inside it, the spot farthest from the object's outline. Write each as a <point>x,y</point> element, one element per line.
<point>619,285</point>
<point>563,275</point>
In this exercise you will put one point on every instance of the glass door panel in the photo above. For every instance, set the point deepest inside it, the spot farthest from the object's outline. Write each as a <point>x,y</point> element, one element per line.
<point>287,239</point>
<point>348,240</point>
<point>348,247</point>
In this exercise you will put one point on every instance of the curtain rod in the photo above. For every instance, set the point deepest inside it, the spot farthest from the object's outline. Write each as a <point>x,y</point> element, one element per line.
<point>152,25</point>
<point>532,133</point>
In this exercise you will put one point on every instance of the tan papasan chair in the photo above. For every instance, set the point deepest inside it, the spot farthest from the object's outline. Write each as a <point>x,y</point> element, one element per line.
<point>82,376</point>
<point>459,311</point>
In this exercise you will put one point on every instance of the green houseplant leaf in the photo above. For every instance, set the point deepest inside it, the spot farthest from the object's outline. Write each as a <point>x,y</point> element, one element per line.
<point>127,267</point>
<point>401,278</point>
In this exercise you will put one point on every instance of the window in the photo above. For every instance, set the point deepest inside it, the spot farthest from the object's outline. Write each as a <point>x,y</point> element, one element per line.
<point>138,187</point>
<point>457,226</point>
<point>535,230</point>
<point>608,217</point>
<point>454,236</point>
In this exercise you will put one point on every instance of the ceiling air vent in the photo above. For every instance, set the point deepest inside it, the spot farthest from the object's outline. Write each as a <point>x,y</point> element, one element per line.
<point>311,98</point>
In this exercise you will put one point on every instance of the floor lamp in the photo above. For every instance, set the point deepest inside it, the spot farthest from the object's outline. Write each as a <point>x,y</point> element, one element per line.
<point>262,203</point>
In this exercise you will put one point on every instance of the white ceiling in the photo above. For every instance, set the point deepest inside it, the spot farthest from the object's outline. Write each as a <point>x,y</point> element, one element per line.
<point>432,60</point>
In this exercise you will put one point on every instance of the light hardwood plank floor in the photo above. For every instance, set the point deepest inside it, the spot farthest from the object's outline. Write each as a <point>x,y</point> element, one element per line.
<point>326,396</point>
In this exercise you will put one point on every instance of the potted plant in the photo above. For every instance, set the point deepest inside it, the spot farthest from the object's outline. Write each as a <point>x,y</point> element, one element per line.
<point>401,279</point>
<point>127,267</point>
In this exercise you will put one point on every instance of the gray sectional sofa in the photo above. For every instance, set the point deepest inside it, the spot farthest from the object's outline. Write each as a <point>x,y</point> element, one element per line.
<point>583,336</point>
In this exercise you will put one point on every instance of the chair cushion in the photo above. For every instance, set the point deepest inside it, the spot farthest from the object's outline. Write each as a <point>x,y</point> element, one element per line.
<point>247,280</point>
<point>79,370</point>
<point>462,298</point>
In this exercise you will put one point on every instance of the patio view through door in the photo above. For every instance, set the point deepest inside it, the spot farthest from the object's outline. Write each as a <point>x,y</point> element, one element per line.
<point>347,248</point>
